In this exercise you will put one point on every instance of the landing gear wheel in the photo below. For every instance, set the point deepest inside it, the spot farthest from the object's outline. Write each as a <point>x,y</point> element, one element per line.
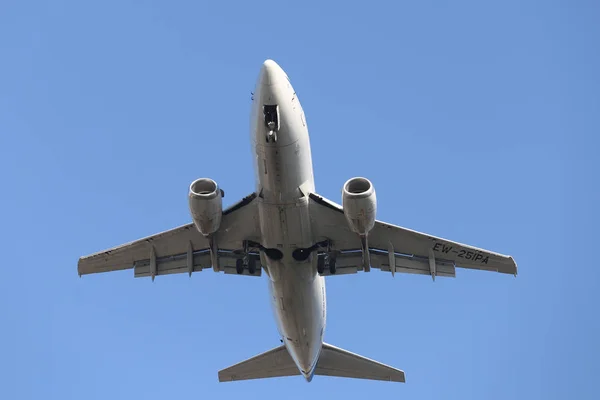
<point>239,266</point>
<point>271,137</point>
<point>320,265</point>
<point>332,266</point>
<point>252,266</point>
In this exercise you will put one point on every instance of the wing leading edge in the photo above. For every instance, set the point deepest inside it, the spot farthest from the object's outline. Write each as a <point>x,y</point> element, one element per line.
<point>183,249</point>
<point>397,249</point>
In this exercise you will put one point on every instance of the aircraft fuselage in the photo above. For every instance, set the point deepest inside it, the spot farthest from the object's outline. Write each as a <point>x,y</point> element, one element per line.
<point>284,177</point>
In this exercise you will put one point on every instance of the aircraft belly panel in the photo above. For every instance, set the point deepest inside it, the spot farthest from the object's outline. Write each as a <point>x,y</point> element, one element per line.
<point>297,301</point>
<point>285,226</point>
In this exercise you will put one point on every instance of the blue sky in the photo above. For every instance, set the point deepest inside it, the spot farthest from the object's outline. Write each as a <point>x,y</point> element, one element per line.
<point>476,122</point>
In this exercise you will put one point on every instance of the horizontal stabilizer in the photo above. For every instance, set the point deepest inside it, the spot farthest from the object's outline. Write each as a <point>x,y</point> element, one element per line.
<point>333,361</point>
<point>338,362</point>
<point>273,363</point>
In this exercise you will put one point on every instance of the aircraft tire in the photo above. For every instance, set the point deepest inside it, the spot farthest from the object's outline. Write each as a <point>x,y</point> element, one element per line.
<point>252,266</point>
<point>320,265</point>
<point>239,266</point>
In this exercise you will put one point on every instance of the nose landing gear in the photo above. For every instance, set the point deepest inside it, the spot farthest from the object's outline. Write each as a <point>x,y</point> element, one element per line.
<point>272,135</point>
<point>271,113</point>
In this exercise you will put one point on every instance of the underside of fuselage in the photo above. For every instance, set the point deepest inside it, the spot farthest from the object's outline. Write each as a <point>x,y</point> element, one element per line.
<point>284,178</point>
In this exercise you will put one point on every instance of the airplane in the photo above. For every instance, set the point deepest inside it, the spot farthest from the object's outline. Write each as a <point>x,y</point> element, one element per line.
<point>297,237</point>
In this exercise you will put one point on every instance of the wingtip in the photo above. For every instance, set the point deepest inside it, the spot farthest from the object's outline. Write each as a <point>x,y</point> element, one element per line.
<point>516,267</point>
<point>399,376</point>
<point>80,266</point>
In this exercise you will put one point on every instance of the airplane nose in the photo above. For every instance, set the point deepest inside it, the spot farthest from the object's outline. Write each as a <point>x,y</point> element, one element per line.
<point>270,73</point>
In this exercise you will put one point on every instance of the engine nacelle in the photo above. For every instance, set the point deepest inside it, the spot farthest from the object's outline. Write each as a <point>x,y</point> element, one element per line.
<point>206,205</point>
<point>360,204</point>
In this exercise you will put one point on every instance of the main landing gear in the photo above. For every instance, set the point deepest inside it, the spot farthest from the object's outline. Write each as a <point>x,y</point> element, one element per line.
<point>246,262</point>
<point>328,260</point>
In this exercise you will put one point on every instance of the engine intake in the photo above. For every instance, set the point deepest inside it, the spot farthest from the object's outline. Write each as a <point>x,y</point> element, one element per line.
<point>206,205</point>
<point>359,202</point>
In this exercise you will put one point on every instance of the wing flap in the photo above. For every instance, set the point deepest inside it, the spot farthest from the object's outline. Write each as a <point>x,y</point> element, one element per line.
<point>351,263</point>
<point>178,264</point>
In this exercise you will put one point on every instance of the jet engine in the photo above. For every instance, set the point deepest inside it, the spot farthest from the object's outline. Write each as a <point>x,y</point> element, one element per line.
<point>206,205</point>
<point>360,205</point>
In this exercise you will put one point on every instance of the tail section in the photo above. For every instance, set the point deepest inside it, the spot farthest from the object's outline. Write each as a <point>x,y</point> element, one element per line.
<point>342,363</point>
<point>333,361</point>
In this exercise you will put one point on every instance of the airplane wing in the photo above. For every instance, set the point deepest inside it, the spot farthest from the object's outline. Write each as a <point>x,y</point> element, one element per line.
<point>183,249</point>
<point>397,249</point>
